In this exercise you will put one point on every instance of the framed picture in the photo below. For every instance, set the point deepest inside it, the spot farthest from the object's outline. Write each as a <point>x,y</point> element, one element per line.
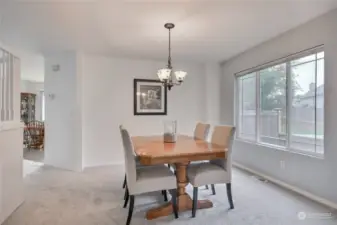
<point>149,97</point>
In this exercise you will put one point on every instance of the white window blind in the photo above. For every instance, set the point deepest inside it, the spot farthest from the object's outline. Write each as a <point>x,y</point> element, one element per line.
<point>7,70</point>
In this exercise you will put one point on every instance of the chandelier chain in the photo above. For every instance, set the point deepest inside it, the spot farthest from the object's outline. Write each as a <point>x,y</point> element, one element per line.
<point>169,57</point>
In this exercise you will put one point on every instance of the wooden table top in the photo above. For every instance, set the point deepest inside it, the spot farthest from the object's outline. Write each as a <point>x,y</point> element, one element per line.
<point>152,150</point>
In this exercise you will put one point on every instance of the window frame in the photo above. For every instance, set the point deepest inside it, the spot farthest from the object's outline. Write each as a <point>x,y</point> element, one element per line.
<point>284,60</point>
<point>43,105</point>
<point>238,106</point>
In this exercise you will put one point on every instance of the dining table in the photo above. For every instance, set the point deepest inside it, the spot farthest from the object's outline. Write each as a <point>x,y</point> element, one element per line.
<point>152,150</point>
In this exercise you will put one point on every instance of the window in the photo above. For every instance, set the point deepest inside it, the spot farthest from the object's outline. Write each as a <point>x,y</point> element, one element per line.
<point>247,87</point>
<point>282,104</point>
<point>7,70</point>
<point>272,110</point>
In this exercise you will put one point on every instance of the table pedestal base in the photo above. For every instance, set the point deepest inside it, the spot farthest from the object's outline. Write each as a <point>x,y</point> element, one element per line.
<point>184,204</point>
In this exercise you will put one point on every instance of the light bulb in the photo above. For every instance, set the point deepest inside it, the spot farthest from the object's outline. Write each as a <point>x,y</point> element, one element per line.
<point>164,74</point>
<point>180,75</point>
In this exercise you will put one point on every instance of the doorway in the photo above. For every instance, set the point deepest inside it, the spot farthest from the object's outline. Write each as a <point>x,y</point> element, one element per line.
<point>32,116</point>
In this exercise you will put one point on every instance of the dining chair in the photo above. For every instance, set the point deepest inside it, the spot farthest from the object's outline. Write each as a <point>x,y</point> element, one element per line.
<point>216,171</point>
<point>201,131</point>
<point>139,165</point>
<point>145,179</point>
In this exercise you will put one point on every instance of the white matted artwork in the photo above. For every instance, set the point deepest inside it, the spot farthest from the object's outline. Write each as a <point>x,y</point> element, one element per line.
<point>150,97</point>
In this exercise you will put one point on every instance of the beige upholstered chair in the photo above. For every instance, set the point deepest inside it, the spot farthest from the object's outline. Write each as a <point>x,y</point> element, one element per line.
<point>145,179</point>
<point>215,171</point>
<point>138,166</point>
<point>201,131</point>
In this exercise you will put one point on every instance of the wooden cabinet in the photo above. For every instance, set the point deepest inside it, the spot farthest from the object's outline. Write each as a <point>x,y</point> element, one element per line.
<point>28,101</point>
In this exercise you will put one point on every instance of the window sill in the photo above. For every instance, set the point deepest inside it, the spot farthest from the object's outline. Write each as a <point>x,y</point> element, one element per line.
<point>10,125</point>
<point>289,150</point>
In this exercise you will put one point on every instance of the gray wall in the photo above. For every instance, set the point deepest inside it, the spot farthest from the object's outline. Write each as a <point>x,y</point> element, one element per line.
<point>317,176</point>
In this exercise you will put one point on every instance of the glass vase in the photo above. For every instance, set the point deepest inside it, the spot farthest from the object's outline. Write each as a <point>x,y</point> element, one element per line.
<point>170,131</point>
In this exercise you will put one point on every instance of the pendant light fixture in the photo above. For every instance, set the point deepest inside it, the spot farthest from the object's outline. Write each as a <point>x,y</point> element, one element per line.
<point>167,76</point>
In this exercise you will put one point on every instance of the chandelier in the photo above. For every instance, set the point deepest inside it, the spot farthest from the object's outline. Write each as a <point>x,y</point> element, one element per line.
<point>166,74</point>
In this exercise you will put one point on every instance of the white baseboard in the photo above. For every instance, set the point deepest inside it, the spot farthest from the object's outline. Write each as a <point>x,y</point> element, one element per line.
<point>106,164</point>
<point>288,186</point>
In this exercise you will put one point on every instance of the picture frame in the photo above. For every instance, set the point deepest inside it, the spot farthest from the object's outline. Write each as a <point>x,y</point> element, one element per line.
<point>149,97</point>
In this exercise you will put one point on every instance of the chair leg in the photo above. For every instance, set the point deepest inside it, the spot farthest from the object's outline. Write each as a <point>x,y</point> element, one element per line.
<point>174,202</point>
<point>206,186</point>
<point>213,189</point>
<point>132,203</point>
<point>195,201</point>
<point>229,195</point>
<point>126,197</point>
<point>164,193</point>
<point>124,183</point>
<point>126,191</point>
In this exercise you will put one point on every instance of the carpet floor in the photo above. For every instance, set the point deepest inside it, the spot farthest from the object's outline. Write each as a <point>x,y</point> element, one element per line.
<point>95,197</point>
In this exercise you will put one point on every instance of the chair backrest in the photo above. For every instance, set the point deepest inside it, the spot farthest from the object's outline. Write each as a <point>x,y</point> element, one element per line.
<point>201,131</point>
<point>35,130</point>
<point>223,136</point>
<point>130,162</point>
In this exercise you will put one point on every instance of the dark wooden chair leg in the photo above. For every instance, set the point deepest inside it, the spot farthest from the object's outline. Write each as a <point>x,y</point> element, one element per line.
<point>132,203</point>
<point>164,193</point>
<point>126,197</point>
<point>124,183</point>
<point>174,202</point>
<point>195,201</point>
<point>229,195</point>
<point>213,189</point>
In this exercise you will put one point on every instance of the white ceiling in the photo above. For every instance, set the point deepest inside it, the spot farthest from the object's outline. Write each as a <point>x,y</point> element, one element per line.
<point>206,30</point>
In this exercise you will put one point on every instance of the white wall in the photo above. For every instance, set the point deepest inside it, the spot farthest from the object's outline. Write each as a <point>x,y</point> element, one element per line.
<point>11,183</point>
<point>63,119</point>
<point>107,98</point>
<point>35,88</point>
<point>317,176</point>
<point>32,63</point>
<point>32,66</point>
<point>11,137</point>
<point>212,92</point>
<point>94,95</point>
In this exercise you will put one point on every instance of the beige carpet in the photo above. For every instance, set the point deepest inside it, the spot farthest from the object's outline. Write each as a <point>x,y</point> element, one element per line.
<point>33,161</point>
<point>95,197</point>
